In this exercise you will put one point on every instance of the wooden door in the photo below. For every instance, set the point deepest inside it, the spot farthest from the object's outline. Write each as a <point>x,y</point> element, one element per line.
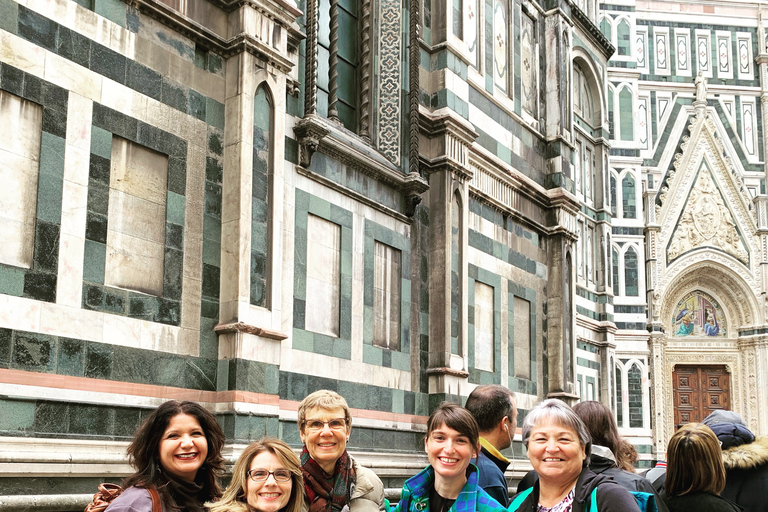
<point>699,390</point>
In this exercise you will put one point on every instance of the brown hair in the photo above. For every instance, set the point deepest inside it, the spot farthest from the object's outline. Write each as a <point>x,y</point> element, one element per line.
<point>323,399</point>
<point>456,417</point>
<point>144,450</point>
<point>235,498</point>
<point>694,461</point>
<point>602,428</point>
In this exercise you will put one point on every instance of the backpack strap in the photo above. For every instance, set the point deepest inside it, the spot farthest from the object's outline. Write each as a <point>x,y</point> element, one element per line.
<point>593,500</point>
<point>157,505</point>
<point>519,499</point>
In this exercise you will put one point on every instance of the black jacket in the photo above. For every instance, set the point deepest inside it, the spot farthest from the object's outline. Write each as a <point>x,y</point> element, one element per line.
<point>611,497</point>
<point>606,465</point>
<point>699,502</point>
<point>746,475</point>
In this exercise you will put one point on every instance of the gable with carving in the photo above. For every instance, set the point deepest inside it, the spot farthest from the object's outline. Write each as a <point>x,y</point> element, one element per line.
<point>706,221</point>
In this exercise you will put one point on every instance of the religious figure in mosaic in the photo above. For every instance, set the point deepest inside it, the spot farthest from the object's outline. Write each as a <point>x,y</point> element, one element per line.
<point>698,314</point>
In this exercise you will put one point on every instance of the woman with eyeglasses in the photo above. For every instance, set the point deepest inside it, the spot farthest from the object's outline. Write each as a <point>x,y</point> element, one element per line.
<point>333,480</point>
<point>266,478</point>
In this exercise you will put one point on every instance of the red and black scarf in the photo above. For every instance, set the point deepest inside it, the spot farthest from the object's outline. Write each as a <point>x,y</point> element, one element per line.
<point>327,494</point>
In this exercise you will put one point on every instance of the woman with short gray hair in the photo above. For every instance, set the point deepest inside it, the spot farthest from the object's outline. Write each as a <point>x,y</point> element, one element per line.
<point>558,446</point>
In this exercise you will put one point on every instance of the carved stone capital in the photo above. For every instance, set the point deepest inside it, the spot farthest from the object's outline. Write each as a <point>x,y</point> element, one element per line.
<point>309,131</point>
<point>444,143</point>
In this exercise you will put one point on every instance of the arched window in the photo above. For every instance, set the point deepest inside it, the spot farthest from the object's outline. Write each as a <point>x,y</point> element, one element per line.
<point>622,38</point>
<point>630,273</point>
<point>263,113</point>
<point>635,388</point>
<point>613,195</point>
<point>609,97</point>
<point>605,28</point>
<point>628,199</point>
<point>583,103</point>
<point>627,126</point>
<point>615,270</point>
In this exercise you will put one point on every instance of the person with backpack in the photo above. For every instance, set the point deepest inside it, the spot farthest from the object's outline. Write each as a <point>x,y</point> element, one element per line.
<point>610,455</point>
<point>695,472</point>
<point>176,453</point>
<point>558,446</point>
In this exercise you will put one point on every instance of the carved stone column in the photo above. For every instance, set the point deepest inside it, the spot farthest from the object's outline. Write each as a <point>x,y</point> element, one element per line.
<point>444,146</point>
<point>657,362</point>
<point>560,346</point>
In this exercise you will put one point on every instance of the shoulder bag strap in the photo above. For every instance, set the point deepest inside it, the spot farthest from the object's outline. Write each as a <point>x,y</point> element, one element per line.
<point>156,503</point>
<point>519,500</point>
<point>593,500</point>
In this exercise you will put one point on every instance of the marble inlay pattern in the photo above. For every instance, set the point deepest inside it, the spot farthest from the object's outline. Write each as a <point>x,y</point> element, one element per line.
<point>390,38</point>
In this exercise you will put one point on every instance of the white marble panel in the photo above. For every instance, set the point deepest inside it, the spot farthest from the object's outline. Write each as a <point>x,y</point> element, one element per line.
<point>70,277</point>
<point>133,263</point>
<point>19,164</point>
<point>121,330</point>
<point>79,115</point>
<point>484,342</point>
<point>522,338</point>
<point>138,171</point>
<point>136,217</point>
<point>323,289</point>
<point>64,73</point>
<point>22,54</point>
<point>19,313</point>
<point>72,322</point>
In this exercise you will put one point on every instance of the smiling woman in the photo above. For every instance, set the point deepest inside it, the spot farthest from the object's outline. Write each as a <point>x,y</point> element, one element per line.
<point>266,478</point>
<point>449,483</point>
<point>559,445</point>
<point>177,452</point>
<point>333,480</point>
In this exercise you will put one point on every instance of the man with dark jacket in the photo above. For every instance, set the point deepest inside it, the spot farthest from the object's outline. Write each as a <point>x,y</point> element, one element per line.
<point>493,407</point>
<point>746,461</point>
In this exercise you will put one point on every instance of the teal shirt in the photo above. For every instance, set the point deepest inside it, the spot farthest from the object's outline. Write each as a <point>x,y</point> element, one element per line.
<point>472,498</point>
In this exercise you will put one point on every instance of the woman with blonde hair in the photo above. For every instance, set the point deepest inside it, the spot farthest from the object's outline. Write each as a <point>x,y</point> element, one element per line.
<point>695,472</point>
<point>266,478</point>
<point>333,480</point>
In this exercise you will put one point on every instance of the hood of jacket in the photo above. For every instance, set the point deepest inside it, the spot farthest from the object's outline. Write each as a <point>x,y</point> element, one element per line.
<point>747,456</point>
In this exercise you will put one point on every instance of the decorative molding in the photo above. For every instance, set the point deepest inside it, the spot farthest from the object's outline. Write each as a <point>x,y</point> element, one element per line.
<point>444,370</point>
<point>310,62</point>
<point>242,327</point>
<point>590,29</point>
<point>447,139</point>
<point>389,89</point>
<point>333,63</point>
<point>366,68</point>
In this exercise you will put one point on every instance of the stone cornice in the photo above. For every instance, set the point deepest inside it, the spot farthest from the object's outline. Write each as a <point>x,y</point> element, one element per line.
<point>242,327</point>
<point>280,14</point>
<point>316,133</point>
<point>591,30</point>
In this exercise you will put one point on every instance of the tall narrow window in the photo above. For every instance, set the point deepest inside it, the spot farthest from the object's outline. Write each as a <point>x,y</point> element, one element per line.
<point>590,254</point>
<point>615,264</point>
<point>588,174</point>
<point>499,42</point>
<point>136,230</point>
<point>522,351</point>
<point>19,167</point>
<point>628,199</point>
<point>386,296</point>
<point>613,195</point>
<point>627,117</point>
<point>630,273</point>
<point>337,61</point>
<point>323,276</point>
<point>635,385</point>
<point>262,171</point>
<point>622,38</point>
<point>605,28</point>
<point>484,327</point>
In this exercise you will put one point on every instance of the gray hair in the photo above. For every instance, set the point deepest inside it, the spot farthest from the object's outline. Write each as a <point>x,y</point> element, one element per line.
<point>560,413</point>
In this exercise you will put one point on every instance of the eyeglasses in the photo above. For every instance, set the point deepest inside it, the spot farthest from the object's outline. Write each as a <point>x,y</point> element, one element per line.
<point>261,475</point>
<point>334,424</point>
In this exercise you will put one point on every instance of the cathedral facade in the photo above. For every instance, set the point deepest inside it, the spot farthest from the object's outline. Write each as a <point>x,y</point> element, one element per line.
<point>239,203</point>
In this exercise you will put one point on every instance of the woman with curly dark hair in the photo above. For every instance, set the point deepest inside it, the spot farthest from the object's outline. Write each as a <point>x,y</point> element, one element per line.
<point>177,456</point>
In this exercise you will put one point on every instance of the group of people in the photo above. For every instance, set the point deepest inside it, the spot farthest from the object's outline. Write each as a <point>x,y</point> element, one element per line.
<point>577,455</point>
